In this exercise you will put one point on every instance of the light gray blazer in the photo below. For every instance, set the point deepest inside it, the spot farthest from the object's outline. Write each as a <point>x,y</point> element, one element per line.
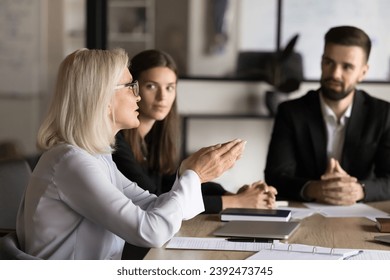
<point>79,206</point>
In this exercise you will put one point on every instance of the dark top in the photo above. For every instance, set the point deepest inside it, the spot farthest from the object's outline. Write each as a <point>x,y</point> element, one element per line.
<point>160,183</point>
<point>297,150</point>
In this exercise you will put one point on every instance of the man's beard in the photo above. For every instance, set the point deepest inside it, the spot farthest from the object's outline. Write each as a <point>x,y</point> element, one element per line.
<point>332,94</point>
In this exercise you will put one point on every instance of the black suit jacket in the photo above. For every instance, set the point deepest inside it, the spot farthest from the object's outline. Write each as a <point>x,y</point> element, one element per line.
<point>297,150</point>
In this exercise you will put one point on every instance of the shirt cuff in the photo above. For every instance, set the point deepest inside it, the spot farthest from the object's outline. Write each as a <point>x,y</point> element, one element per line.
<point>188,190</point>
<point>364,191</point>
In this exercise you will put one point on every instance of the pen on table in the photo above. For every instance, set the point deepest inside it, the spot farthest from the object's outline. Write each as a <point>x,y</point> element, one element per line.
<point>354,255</point>
<point>254,240</point>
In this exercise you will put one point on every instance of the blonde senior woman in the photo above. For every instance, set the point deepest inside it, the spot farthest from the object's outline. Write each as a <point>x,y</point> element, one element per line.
<point>77,204</point>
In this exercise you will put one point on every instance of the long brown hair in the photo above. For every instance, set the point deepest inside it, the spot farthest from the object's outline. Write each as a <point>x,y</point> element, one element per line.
<point>163,139</point>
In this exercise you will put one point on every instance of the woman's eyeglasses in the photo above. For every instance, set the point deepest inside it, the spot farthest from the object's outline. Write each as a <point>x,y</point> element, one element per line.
<point>133,86</point>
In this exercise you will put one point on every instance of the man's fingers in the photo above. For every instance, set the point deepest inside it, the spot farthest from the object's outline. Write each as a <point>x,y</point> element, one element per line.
<point>331,166</point>
<point>338,168</point>
<point>334,182</point>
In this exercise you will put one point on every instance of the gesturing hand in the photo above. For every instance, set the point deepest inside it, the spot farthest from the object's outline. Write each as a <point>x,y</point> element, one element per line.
<point>211,162</point>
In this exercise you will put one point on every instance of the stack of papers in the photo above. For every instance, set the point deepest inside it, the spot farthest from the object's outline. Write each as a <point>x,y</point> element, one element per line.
<point>276,250</point>
<point>355,210</point>
<point>200,243</point>
<point>282,251</point>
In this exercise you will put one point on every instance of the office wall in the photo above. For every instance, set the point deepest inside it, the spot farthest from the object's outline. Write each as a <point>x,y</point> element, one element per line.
<point>251,25</point>
<point>23,61</point>
<point>34,38</point>
<point>202,58</point>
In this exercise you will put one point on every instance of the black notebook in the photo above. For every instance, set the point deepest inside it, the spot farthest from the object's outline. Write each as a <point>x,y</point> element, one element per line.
<point>257,229</point>
<point>250,214</point>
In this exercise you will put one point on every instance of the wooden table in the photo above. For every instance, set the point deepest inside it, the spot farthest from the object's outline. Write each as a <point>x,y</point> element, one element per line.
<point>315,230</point>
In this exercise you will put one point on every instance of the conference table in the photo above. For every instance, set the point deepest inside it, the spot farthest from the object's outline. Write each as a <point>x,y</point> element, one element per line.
<point>315,230</point>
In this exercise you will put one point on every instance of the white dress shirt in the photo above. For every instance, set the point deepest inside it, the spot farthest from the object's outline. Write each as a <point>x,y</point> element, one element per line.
<point>335,132</point>
<point>335,129</point>
<point>79,206</point>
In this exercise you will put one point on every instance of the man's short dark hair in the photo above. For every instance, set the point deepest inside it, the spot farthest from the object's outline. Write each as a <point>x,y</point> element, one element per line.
<point>349,36</point>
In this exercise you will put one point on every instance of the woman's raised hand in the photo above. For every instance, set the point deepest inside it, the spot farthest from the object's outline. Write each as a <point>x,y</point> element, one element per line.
<point>211,162</point>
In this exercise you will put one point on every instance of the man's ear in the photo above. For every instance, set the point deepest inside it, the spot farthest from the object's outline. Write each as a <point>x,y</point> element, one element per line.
<point>364,72</point>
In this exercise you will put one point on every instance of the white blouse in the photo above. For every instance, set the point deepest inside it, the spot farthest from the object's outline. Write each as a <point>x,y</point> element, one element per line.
<point>79,206</point>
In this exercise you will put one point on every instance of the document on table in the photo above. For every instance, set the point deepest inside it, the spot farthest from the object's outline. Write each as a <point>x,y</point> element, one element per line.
<point>276,250</point>
<point>283,251</point>
<point>356,210</point>
<point>372,255</point>
<point>214,243</point>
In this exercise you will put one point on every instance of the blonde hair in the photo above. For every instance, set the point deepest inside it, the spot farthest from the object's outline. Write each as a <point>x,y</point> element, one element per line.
<point>79,111</point>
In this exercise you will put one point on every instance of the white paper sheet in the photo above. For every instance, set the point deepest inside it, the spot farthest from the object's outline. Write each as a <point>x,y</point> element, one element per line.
<point>355,210</point>
<point>372,255</point>
<point>213,243</point>
<point>283,251</point>
<point>279,250</point>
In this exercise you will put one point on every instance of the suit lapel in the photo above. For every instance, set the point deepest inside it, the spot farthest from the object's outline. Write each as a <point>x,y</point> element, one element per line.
<point>354,129</point>
<point>317,131</point>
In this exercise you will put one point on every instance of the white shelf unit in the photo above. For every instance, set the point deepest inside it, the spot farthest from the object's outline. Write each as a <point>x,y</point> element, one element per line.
<point>131,25</point>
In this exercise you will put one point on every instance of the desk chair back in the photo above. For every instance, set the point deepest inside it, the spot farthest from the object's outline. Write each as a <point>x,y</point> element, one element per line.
<point>14,176</point>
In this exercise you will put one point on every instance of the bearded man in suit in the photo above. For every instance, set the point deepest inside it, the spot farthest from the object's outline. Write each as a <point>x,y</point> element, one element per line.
<point>332,145</point>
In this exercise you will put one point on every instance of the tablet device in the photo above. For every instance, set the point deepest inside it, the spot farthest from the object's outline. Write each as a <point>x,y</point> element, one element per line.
<point>383,238</point>
<point>258,229</point>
